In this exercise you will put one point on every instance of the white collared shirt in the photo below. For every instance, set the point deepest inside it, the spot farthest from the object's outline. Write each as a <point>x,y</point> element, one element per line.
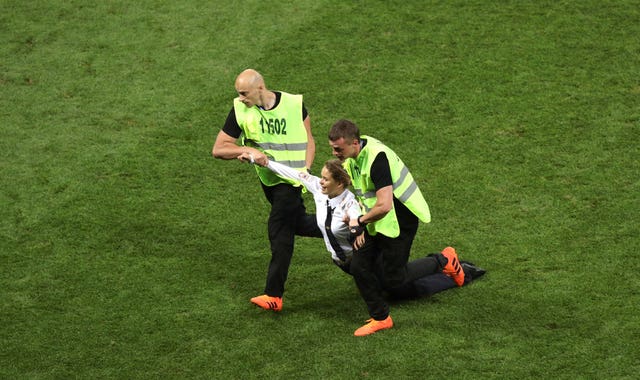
<point>344,203</point>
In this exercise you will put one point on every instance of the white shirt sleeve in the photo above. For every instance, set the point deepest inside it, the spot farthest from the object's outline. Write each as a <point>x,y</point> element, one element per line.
<point>351,206</point>
<point>311,182</point>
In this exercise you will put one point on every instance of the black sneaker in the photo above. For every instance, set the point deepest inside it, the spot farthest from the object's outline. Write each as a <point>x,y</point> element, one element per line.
<point>471,270</point>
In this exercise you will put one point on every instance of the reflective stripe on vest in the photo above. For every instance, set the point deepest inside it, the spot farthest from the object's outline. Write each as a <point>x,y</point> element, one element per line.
<point>403,197</point>
<point>274,146</point>
<point>296,164</point>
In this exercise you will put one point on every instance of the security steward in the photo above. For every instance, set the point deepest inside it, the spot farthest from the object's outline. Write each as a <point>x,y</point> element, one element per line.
<point>393,206</point>
<point>276,125</point>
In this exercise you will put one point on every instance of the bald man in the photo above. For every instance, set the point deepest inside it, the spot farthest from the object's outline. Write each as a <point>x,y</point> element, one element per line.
<point>272,125</point>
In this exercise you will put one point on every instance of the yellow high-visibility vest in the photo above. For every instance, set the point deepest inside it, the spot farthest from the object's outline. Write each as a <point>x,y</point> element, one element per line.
<point>405,187</point>
<point>279,133</point>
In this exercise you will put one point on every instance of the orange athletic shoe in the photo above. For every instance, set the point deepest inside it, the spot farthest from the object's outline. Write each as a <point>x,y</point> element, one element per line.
<point>268,303</point>
<point>453,268</point>
<point>373,326</point>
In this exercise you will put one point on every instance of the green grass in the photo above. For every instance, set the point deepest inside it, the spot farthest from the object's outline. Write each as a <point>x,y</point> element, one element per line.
<point>127,251</point>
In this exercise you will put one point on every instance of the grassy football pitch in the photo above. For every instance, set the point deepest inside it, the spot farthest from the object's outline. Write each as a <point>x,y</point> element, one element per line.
<point>127,251</point>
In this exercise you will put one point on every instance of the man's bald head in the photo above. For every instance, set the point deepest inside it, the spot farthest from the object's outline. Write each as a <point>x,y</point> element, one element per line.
<point>251,89</point>
<point>249,79</point>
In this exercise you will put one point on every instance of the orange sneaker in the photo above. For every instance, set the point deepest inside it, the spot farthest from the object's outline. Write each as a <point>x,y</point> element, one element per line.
<point>373,326</point>
<point>268,303</point>
<point>453,268</point>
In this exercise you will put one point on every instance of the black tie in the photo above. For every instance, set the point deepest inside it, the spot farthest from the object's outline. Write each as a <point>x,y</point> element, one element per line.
<point>332,239</point>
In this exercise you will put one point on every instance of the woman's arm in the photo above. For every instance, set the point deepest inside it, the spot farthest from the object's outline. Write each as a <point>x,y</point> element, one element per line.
<point>311,182</point>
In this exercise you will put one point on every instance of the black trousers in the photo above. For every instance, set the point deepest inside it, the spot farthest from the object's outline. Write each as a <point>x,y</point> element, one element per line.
<point>423,287</point>
<point>288,217</point>
<point>391,255</point>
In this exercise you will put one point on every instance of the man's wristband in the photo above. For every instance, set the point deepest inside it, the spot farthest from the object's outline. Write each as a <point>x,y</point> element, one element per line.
<point>355,231</point>
<point>360,223</point>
